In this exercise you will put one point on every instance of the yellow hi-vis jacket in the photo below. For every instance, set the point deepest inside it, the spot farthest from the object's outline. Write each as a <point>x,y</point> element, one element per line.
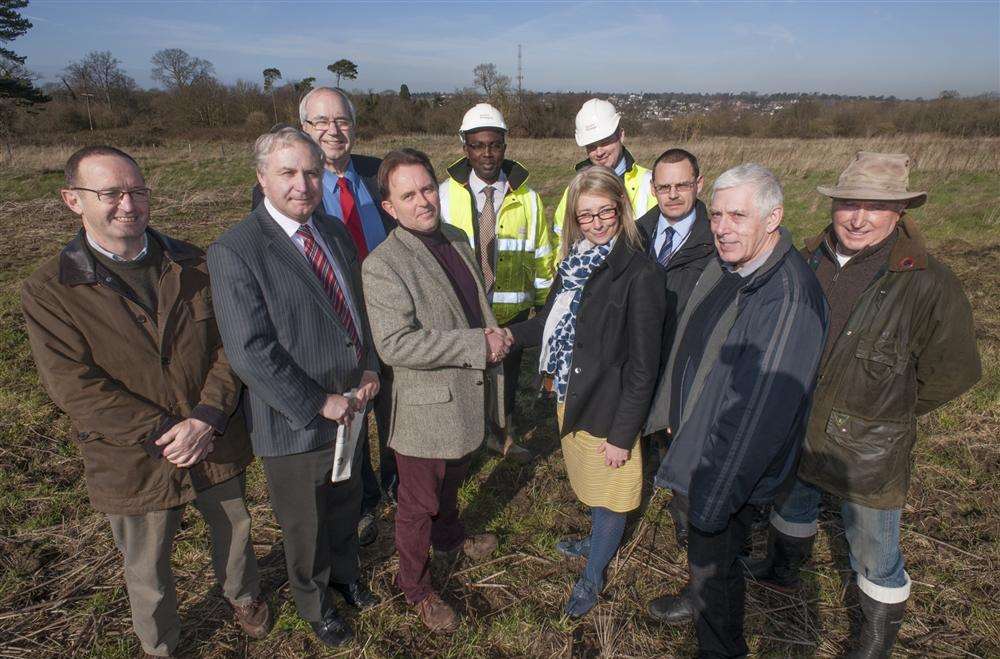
<point>637,180</point>
<point>526,253</point>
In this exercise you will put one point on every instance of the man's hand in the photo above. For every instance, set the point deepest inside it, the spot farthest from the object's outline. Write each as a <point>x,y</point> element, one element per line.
<point>497,344</point>
<point>187,443</point>
<point>614,457</point>
<point>367,390</point>
<point>338,408</point>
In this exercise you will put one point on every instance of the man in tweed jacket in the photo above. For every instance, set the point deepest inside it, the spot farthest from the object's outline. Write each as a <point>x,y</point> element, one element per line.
<point>287,295</point>
<point>430,321</point>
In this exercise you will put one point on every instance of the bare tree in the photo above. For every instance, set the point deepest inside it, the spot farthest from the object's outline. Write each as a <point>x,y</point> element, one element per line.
<point>271,76</point>
<point>175,69</point>
<point>100,73</point>
<point>485,75</point>
<point>343,68</point>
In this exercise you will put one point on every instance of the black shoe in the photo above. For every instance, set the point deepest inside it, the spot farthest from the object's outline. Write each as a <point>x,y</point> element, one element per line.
<point>356,595</point>
<point>332,629</point>
<point>367,529</point>
<point>879,629</point>
<point>672,609</point>
<point>785,557</point>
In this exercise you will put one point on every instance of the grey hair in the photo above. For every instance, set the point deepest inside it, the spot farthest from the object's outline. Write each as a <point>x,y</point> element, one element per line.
<point>303,115</point>
<point>767,194</point>
<point>282,138</point>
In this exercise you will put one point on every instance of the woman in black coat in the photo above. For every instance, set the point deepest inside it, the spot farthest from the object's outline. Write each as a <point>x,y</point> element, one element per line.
<point>600,334</point>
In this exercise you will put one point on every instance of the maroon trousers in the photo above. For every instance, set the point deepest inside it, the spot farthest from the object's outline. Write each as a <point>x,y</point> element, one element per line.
<point>426,516</point>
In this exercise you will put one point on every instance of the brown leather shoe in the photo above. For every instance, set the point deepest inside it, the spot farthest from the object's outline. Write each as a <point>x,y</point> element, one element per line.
<point>436,614</point>
<point>479,547</point>
<point>254,617</point>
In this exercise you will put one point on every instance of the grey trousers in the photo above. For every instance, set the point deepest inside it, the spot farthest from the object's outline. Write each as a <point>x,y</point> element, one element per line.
<point>145,542</point>
<point>319,524</point>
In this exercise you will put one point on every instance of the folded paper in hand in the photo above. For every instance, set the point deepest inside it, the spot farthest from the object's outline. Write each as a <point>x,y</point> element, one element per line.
<point>347,440</point>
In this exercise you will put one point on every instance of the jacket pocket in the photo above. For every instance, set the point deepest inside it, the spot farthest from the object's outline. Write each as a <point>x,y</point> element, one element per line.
<point>425,395</point>
<point>873,454</point>
<point>881,358</point>
<point>202,309</point>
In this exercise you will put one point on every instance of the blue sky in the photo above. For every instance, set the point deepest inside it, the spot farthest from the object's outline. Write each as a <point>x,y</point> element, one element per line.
<point>907,49</point>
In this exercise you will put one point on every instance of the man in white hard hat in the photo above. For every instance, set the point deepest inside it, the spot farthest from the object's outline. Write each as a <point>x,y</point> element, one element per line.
<point>599,131</point>
<point>487,196</point>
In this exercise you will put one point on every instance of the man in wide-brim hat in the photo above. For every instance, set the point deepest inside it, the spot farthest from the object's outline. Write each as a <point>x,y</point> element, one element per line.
<point>900,343</point>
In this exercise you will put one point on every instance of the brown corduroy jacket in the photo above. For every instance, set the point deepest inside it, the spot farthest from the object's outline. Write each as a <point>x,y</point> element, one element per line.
<point>124,380</point>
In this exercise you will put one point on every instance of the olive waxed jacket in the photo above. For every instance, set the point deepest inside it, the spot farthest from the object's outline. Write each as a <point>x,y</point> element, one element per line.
<point>123,380</point>
<point>908,348</point>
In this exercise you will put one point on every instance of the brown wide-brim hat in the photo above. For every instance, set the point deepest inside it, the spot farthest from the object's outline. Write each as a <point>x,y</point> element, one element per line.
<point>876,177</point>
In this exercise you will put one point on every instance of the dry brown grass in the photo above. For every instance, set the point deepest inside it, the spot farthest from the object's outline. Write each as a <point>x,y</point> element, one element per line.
<point>61,589</point>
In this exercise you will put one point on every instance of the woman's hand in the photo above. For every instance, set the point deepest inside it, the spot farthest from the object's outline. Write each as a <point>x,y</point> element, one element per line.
<point>614,457</point>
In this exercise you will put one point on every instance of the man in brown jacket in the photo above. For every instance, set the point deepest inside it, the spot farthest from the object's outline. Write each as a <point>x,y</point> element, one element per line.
<point>901,342</point>
<point>123,334</point>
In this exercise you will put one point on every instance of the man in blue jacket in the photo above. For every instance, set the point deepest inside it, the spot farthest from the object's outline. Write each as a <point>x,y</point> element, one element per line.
<point>736,393</point>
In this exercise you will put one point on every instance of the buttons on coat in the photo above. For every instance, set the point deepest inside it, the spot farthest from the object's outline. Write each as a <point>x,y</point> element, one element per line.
<point>479,383</point>
<point>577,370</point>
<point>165,360</point>
<point>466,365</point>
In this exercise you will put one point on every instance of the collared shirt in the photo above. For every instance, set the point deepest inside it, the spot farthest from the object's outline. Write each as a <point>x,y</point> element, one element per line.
<point>620,167</point>
<point>371,220</point>
<point>750,266</point>
<point>291,227</point>
<point>114,257</point>
<point>478,186</point>
<point>681,227</point>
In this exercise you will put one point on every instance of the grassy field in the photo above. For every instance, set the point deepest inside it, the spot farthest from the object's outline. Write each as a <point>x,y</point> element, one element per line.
<point>61,588</point>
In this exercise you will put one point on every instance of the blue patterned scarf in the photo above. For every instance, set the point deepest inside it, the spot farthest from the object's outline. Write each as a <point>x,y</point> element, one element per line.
<point>574,271</point>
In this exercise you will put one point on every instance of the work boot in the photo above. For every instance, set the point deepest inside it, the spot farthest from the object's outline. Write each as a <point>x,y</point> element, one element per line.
<point>436,614</point>
<point>780,567</point>
<point>672,609</point>
<point>881,623</point>
<point>508,448</point>
<point>367,528</point>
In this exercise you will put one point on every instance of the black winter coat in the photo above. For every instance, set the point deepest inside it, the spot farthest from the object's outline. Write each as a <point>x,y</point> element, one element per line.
<point>684,267</point>
<point>616,356</point>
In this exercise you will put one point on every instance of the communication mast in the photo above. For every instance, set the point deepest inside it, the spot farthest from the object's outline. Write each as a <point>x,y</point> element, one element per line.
<point>520,73</point>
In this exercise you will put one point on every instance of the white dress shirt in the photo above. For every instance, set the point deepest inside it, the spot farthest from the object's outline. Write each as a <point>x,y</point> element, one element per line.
<point>290,227</point>
<point>114,257</point>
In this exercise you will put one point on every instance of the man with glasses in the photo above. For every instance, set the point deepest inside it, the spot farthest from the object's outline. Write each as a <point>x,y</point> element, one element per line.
<point>599,131</point>
<point>122,332</point>
<point>350,194</point>
<point>681,243</point>
<point>487,196</point>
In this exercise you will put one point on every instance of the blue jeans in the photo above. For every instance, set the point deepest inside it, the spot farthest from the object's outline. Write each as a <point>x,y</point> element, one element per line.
<point>872,538</point>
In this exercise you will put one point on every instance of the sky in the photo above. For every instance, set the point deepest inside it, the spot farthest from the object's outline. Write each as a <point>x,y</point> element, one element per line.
<point>905,49</point>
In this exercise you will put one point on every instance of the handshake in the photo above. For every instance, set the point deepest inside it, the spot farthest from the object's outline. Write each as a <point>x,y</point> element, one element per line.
<point>498,343</point>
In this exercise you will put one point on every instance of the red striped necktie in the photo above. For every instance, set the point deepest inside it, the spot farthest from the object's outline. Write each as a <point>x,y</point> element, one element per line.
<point>352,218</point>
<point>321,266</point>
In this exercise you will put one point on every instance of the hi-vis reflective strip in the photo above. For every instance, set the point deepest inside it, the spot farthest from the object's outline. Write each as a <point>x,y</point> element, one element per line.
<point>514,245</point>
<point>510,298</point>
<point>543,283</point>
<point>545,250</point>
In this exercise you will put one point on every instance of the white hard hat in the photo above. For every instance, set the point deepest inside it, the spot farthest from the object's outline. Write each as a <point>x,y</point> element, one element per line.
<point>482,115</point>
<point>596,120</point>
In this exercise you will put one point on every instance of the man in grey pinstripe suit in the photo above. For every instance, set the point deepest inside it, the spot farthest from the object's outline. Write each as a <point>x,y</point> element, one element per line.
<point>288,300</point>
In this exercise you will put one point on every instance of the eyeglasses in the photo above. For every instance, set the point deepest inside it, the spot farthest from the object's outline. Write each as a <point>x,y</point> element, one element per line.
<point>324,124</point>
<point>115,196</point>
<point>606,213</point>
<point>483,147</point>
<point>667,188</point>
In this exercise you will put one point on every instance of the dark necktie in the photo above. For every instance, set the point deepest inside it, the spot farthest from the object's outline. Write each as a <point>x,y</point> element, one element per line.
<point>487,237</point>
<point>668,242</point>
<point>321,266</point>
<point>352,218</point>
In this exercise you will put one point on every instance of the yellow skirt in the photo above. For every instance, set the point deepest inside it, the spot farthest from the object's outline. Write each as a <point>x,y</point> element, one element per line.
<point>595,483</point>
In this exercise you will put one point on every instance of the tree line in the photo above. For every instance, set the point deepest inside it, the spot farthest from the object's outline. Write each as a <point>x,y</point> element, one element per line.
<point>96,94</point>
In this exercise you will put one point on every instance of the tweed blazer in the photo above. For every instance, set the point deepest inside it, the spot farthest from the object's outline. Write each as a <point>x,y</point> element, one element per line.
<point>281,333</point>
<point>443,389</point>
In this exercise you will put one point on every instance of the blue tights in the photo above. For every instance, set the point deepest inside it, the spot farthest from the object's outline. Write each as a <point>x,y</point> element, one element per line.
<point>606,532</point>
